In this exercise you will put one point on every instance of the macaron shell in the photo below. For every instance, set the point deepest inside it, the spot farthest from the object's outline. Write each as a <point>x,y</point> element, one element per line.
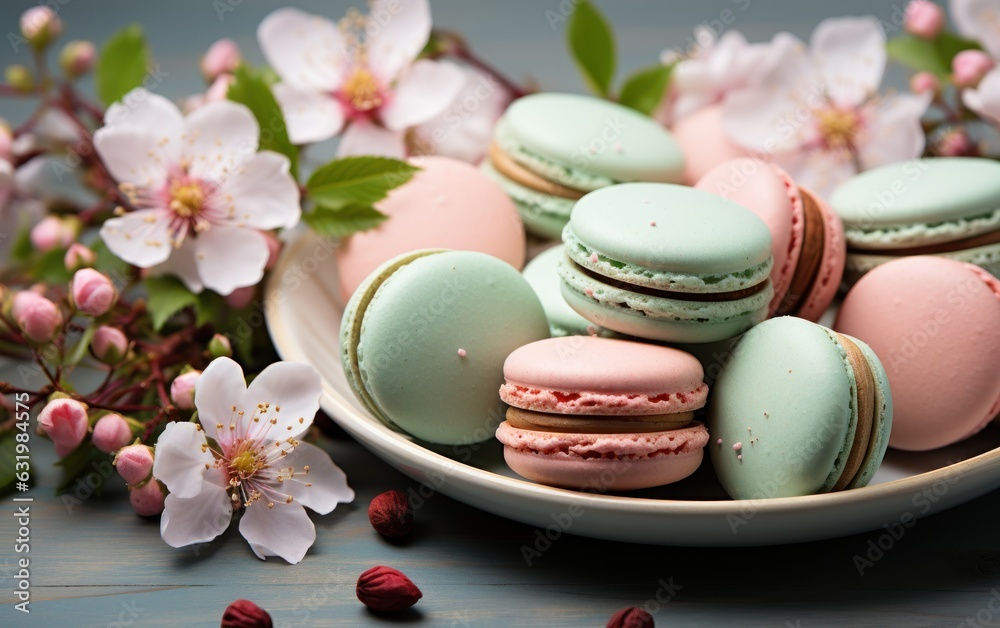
<point>782,408</point>
<point>933,322</point>
<point>860,262</point>
<point>434,338</point>
<point>770,194</point>
<point>589,375</point>
<point>447,204</point>
<point>541,272</point>
<point>831,269</point>
<point>587,134</point>
<point>542,214</point>
<point>704,142</point>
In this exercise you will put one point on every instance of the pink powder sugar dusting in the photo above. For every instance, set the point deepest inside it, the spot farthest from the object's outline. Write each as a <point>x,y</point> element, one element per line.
<point>593,258</point>
<point>589,292</point>
<point>737,446</point>
<point>718,442</point>
<point>462,353</point>
<point>652,223</point>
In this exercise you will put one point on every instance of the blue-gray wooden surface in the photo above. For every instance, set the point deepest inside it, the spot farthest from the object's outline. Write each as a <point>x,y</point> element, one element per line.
<point>98,564</point>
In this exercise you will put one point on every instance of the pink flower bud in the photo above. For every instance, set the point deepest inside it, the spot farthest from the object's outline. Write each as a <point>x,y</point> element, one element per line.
<point>223,57</point>
<point>65,422</point>
<point>78,256</point>
<point>219,89</point>
<point>147,499</point>
<point>134,463</point>
<point>40,25</point>
<point>77,58</point>
<point>273,249</point>
<point>109,344</point>
<point>924,19</point>
<point>53,232</point>
<point>970,66</point>
<point>241,297</point>
<point>182,390</point>
<point>92,292</point>
<point>220,347</point>
<point>111,433</point>
<point>37,317</point>
<point>957,143</point>
<point>923,82</point>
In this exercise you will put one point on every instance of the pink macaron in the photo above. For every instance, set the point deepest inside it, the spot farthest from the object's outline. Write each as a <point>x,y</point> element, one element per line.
<point>934,323</point>
<point>594,413</point>
<point>807,237</point>
<point>448,204</point>
<point>704,142</point>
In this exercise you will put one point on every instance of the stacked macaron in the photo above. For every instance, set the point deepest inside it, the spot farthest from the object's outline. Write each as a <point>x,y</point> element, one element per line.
<point>602,414</point>
<point>948,207</point>
<point>550,149</point>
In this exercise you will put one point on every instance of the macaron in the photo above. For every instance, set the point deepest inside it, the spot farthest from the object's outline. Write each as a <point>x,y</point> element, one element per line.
<point>550,149</point>
<point>602,414</point>
<point>542,273</point>
<point>798,410</point>
<point>704,142</point>
<point>447,204</point>
<point>424,338</point>
<point>807,237</point>
<point>667,262</point>
<point>944,206</point>
<point>935,322</point>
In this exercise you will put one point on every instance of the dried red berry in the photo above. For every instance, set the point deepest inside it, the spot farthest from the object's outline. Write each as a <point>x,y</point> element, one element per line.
<point>631,617</point>
<point>390,514</point>
<point>387,590</point>
<point>245,614</point>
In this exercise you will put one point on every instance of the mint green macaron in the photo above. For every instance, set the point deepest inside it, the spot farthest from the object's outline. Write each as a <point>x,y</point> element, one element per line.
<point>543,275</point>
<point>424,338</point>
<point>549,149</point>
<point>798,410</point>
<point>940,206</point>
<point>667,262</point>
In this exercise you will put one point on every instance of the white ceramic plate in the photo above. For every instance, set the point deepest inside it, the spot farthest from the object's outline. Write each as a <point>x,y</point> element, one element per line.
<point>304,309</point>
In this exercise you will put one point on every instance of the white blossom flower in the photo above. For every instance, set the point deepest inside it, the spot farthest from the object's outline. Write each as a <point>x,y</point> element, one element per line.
<point>254,462</point>
<point>201,191</point>
<point>985,98</point>
<point>980,20</point>
<point>361,73</point>
<point>819,114</point>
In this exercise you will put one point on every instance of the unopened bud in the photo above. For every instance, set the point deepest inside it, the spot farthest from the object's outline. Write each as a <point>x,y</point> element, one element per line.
<point>111,433</point>
<point>970,66</point>
<point>78,256</point>
<point>20,78</point>
<point>109,344</point>
<point>134,463</point>
<point>65,422</point>
<point>77,58</point>
<point>92,292</point>
<point>220,347</point>
<point>182,390</point>
<point>40,26</point>
<point>222,57</point>
<point>147,499</point>
<point>37,317</point>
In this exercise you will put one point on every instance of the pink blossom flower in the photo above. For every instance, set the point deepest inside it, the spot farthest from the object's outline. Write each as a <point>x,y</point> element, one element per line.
<point>254,461</point>
<point>202,192</point>
<point>924,19</point>
<point>147,499</point>
<point>92,292</point>
<point>360,73</point>
<point>182,389</point>
<point>37,317</point>
<point>65,422</point>
<point>109,344</point>
<point>818,114</point>
<point>134,463</point>
<point>111,433</point>
<point>979,20</point>
<point>222,57</point>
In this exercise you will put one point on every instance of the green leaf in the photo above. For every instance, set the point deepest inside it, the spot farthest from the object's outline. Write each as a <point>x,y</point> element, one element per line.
<point>85,465</point>
<point>252,90</point>
<point>928,55</point>
<point>209,308</point>
<point>644,89</point>
<point>51,267</point>
<point>592,45</point>
<point>22,249</point>
<point>343,222</point>
<point>123,64</point>
<point>80,348</point>
<point>166,296</point>
<point>357,181</point>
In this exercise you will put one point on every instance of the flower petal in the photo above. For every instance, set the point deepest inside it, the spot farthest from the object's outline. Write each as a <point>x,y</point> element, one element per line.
<point>181,459</point>
<point>397,32</point>
<point>310,115</point>
<point>141,237</point>
<point>365,138</point>
<point>327,484</point>
<point>979,20</point>
<point>422,92</point>
<point>143,110</point>
<point>219,137</point>
<point>220,387</point>
<point>304,49</point>
<point>135,156</point>
<point>292,391</point>
<point>896,133</point>
<point>197,519</point>
<point>230,257</point>
<point>183,265</point>
<point>985,99</point>
<point>821,171</point>
<point>262,194</point>
<point>284,530</point>
<point>849,54</point>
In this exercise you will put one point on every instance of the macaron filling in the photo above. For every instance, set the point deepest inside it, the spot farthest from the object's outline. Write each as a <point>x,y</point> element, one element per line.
<point>522,175</point>
<point>596,424</point>
<point>811,256</point>
<point>732,295</point>
<point>864,384</point>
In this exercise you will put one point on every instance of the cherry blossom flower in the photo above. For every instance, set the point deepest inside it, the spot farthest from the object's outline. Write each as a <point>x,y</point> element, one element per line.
<point>818,113</point>
<point>980,20</point>
<point>360,73</point>
<point>246,455</point>
<point>202,193</point>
